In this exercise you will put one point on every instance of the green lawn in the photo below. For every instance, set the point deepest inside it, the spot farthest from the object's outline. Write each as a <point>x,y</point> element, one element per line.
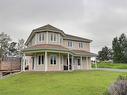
<point>58,83</point>
<point>111,65</point>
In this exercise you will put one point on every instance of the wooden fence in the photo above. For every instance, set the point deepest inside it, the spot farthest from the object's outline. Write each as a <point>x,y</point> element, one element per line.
<point>10,64</point>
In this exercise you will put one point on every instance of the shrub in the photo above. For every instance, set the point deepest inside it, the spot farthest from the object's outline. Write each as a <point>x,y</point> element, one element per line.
<point>119,87</point>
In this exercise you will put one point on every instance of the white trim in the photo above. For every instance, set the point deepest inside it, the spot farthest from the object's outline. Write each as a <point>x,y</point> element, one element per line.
<point>68,63</point>
<point>81,62</point>
<point>87,63</point>
<point>46,61</point>
<point>59,62</point>
<point>24,61</point>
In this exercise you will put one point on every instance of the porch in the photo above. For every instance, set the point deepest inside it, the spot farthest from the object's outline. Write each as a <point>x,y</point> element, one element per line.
<point>54,61</point>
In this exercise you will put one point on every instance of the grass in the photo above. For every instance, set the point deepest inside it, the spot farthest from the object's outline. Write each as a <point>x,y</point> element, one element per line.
<point>58,83</point>
<point>111,65</point>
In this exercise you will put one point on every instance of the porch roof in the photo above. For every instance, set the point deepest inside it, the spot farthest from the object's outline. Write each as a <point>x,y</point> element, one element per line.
<point>84,53</point>
<point>46,47</point>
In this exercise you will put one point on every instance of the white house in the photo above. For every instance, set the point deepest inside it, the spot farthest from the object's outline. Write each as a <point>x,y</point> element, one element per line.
<point>50,49</point>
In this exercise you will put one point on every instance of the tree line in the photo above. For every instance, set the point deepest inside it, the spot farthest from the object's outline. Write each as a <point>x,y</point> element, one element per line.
<point>9,47</point>
<point>118,52</point>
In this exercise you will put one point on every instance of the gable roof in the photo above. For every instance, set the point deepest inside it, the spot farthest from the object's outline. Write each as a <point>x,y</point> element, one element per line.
<point>48,27</point>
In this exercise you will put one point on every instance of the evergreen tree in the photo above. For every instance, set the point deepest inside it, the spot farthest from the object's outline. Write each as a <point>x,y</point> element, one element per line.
<point>119,46</point>
<point>105,54</point>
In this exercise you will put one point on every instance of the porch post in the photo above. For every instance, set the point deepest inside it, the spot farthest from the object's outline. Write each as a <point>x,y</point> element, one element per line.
<point>59,62</point>
<point>87,62</point>
<point>81,62</point>
<point>72,60</point>
<point>68,63</point>
<point>24,61</point>
<point>46,64</point>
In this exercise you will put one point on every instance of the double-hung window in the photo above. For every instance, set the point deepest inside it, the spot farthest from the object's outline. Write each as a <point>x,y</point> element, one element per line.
<point>41,37</point>
<point>40,59</point>
<point>80,45</point>
<point>70,44</point>
<point>53,59</point>
<point>53,37</point>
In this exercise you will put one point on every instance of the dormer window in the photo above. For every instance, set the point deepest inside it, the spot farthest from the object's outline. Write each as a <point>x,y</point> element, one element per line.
<point>70,43</point>
<point>80,45</point>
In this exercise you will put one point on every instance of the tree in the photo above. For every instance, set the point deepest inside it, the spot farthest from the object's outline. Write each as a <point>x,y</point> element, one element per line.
<point>12,50</point>
<point>20,47</point>
<point>105,54</point>
<point>4,43</point>
<point>119,46</point>
<point>116,50</point>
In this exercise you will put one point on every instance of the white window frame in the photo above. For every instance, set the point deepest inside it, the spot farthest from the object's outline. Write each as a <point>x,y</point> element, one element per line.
<point>70,43</point>
<point>40,59</point>
<point>40,37</point>
<point>53,37</point>
<point>54,59</point>
<point>81,45</point>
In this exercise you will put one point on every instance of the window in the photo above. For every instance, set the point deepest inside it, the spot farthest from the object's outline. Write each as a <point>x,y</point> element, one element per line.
<point>78,62</point>
<point>80,45</point>
<point>53,59</point>
<point>70,44</point>
<point>53,37</point>
<point>61,40</point>
<point>40,60</point>
<point>41,37</point>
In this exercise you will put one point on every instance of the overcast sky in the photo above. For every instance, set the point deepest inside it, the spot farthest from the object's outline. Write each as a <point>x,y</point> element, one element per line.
<point>99,20</point>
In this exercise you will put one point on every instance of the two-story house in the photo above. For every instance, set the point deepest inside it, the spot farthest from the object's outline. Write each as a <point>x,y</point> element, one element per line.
<point>50,49</point>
